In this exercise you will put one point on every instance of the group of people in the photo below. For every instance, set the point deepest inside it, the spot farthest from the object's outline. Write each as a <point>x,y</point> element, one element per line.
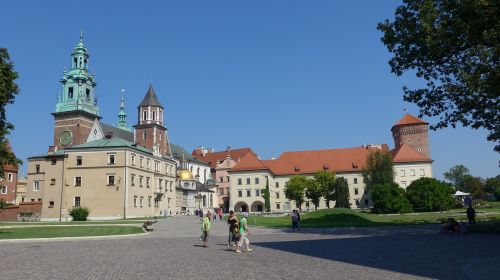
<point>452,226</point>
<point>238,231</point>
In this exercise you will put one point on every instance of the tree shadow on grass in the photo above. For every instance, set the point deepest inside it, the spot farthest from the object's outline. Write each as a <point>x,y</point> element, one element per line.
<point>415,253</point>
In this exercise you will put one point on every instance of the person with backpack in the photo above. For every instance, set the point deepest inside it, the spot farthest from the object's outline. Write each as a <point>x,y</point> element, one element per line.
<point>244,233</point>
<point>234,229</point>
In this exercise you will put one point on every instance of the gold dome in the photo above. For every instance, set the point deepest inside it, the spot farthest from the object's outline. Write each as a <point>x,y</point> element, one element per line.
<point>185,175</point>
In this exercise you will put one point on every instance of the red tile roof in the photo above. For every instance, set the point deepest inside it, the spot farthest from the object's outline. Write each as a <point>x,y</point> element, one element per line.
<point>249,162</point>
<point>406,153</point>
<point>212,158</point>
<point>409,119</point>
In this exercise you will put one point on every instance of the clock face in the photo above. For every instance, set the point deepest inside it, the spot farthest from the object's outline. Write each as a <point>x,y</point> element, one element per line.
<point>65,137</point>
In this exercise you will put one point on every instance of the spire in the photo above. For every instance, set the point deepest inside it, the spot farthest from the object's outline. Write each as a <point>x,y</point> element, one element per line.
<point>150,98</point>
<point>122,116</point>
<point>81,36</point>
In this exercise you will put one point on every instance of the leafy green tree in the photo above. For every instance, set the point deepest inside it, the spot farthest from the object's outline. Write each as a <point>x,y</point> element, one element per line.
<point>3,204</point>
<point>454,46</point>
<point>379,169</point>
<point>314,192</point>
<point>492,184</point>
<point>389,198</point>
<point>295,188</point>
<point>326,181</point>
<point>342,193</point>
<point>266,194</point>
<point>8,90</point>
<point>429,194</point>
<point>456,175</point>
<point>497,194</point>
<point>475,186</point>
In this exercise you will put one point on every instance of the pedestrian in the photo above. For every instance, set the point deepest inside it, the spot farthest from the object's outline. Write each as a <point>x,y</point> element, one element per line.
<point>215,216</point>
<point>220,214</point>
<point>298,219</point>
<point>200,213</point>
<point>205,229</point>
<point>244,233</point>
<point>471,214</point>
<point>234,229</point>
<point>295,220</point>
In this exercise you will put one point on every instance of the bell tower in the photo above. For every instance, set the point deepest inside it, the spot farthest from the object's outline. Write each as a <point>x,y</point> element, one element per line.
<point>150,131</point>
<point>414,132</point>
<point>76,108</point>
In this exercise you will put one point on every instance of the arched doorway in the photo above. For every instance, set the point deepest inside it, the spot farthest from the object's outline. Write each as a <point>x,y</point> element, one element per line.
<point>258,206</point>
<point>241,207</point>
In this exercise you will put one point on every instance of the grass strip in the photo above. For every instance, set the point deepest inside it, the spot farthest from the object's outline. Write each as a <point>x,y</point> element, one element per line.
<point>66,231</point>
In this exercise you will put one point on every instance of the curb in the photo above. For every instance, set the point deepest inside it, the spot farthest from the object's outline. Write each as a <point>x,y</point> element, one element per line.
<point>55,239</point>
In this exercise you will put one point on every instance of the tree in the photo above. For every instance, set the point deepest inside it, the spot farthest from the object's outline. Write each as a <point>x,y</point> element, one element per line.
<point>342,193</point>
<point>295,188</point>
<point>475,186</point>
<point>389,198</point>
<point>266,194</point>
<point>429,194</point>
<point>454,46</point>
<point>8,90</point>
<point>379,169</point>
<point>492,184</point>
<point>314,192</point>
<point>3,204</point>
<point>326,181</point>
<point>456,175</point>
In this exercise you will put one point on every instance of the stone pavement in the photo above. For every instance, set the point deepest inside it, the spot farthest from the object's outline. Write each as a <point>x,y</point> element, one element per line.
<point>172,251</point>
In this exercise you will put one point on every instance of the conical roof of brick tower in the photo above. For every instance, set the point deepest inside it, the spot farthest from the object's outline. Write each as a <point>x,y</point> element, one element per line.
<point>409,119</point>
<point>150,98</point>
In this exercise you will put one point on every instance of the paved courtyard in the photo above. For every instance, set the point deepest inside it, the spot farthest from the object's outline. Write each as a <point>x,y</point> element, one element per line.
<point>173,251</point>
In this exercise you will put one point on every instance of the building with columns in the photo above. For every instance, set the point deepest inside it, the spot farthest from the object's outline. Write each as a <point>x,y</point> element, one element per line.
<point>250,175</point>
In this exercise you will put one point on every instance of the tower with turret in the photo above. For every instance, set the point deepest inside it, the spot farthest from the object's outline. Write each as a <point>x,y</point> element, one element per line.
<point>76,109</point>
<point>414,132</point>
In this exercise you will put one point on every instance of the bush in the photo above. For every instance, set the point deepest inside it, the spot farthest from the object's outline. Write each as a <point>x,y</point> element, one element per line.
<point>429,194</point>
<point>389,198</point>
<point>79,213</point>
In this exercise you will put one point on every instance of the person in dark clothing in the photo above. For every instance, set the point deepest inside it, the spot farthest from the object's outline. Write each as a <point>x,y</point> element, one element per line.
<point>471,214</point>
<point>234,227</point>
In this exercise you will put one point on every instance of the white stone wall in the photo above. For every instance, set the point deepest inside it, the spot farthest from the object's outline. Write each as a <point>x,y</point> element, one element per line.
<point>406,173</point>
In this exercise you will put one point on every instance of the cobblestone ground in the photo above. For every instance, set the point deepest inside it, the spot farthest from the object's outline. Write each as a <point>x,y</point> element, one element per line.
<point>172,251</point>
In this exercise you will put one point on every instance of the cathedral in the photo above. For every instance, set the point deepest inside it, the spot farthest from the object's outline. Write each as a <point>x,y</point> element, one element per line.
<point>115,171</point>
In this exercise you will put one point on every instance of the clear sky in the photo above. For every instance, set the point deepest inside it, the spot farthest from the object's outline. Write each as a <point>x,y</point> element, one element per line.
<point>271,75</point>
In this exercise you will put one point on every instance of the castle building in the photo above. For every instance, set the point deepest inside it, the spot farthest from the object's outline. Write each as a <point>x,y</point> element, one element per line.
<point>112,170</point>
<point>8,181</point>
<point>249,177</point>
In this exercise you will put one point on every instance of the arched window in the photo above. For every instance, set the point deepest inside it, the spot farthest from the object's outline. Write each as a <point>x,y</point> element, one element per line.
<point>154,115</point>
<point>144,115</point>
<point>211,200</point>
<point>198,172</point>
<point>75,62</point>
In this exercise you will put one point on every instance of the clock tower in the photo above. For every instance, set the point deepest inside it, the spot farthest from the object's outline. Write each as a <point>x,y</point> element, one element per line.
<point>76,109</point>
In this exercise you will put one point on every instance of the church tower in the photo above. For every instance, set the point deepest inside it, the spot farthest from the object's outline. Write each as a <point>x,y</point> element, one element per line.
<point>76,109</point>
<point>414,132</point>
<point>122,116</point>
<point>150,132</point>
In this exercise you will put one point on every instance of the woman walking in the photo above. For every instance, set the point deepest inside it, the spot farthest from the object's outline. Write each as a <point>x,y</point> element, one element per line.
<point>205,229</point>
<point>234,229</point>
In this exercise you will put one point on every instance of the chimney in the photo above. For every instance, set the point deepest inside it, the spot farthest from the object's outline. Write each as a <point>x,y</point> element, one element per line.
<point>52,150</point>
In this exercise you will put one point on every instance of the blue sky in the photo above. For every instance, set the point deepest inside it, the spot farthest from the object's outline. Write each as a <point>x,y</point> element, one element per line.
<point>272,75</point>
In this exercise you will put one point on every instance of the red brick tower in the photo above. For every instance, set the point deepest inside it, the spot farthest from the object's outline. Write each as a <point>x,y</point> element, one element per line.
<point>413,132</point>
<point>150,132</point>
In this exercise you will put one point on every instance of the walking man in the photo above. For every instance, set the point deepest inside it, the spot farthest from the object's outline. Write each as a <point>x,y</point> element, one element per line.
<point>244,233</point>
<point>471,214</point>
<point>295,219</point>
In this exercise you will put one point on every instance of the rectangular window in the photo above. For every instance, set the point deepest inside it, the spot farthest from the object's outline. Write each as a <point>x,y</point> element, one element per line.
<point>111,159</point>
<point>256,181</point>
<point>111,180</point>
<point>221,179</point>
<point>51,204</point>
<point>77,201</point>
<point>132,159</point>
<point>147,182</point>
<point>141,201</point>
<point>257,193</point>
<point>36,186</point>
<point>422,172</point>
<point>157,166</point>
<point>277,184</point>
<point>37,168</point>
<point>132,179</point>
<point>78,181</point>
<point>53,162</point>
<point>10,177</point>
<point>240,193</point>
<point>148,164</point>
<point>149,201</point>
<point>239,181</point>
<point>141,162</point>
<point>355,180</point>
<point>70,93</point>
<point>140,181</point>
<point>357,202</point>
<point>78,160</point>
<point>278,206</point>
<point>4,189</point>
<point>249,193</point>
<point>52,181</point>
<point>412,172</point>
<point>356,191</point>
<point>402,173</point>
<point>248,181</point>
<point>277,195</point>
<point>135,201</point>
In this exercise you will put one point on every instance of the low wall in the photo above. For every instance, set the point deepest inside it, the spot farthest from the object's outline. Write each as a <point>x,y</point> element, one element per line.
<point>12,212</point>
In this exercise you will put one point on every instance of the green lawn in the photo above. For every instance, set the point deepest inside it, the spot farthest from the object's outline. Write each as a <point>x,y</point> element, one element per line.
<point>349,218</point>
<point>66,231</point>
<point>111,222</point>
